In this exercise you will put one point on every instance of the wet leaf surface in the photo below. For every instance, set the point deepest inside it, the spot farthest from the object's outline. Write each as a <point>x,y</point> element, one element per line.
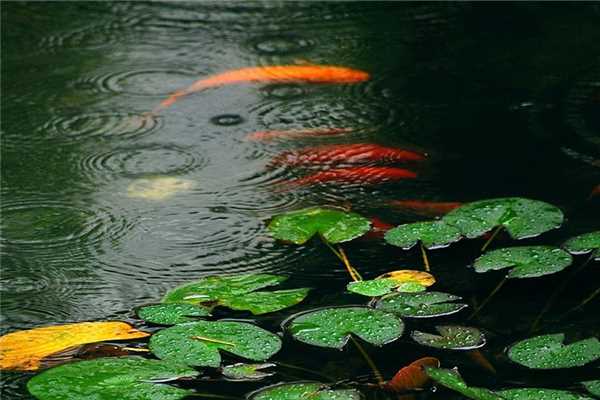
<point>304,391</point>
<point>171,313</point>
<point>526,261</point>
<point>451,337</point>
<point>583,244</point>
<point>23,350</point>
<point>335,226</point>
<point>402,280</point>
<point>124,378</point>
<point>199,343</point>
<point>521,217</point>
<point>540,394</point>
<point>238,292</point>
<point>549,352</point>
<point>247,372</point>
<point>433,235</point>
<point>593,387</point>
<point>452,380</point>
<point>420,305</point>
<point>332,327</point>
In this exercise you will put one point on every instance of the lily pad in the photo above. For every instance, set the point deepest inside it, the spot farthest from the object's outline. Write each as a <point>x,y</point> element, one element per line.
<point>238,292</point>
<point>332,327</point>
<point>433,235</point>
<point>373,288</point>
<point>401,281</point>
<point>540,394</point>
<point>583,244</point>
<point>522,218</point>
<point>303,391</point>
<point>593,387</point>
<point>334,225</point>
<point>247,372</point>
<point>171,314</point>
<point>528,261</point>
<point>452,337</point>
<point>420,305</point>
<point>549,352</point>
<point>452,380</point>
<point>123,378</point>
<point>198,343</point>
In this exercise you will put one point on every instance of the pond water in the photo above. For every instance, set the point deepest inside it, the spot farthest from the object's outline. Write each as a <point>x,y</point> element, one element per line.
<point>504,99</point>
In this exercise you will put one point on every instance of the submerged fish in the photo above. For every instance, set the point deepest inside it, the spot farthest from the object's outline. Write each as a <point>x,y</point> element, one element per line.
<point>426,208</point>
<point>275,73</point>
<point>356,175</point>
<point>295,133</point>
<point>346,154</point>
<point>158,188</point>
<point>378,228</point>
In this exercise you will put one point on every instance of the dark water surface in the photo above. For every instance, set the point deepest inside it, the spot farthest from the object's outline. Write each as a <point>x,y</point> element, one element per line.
<point>505,98</point>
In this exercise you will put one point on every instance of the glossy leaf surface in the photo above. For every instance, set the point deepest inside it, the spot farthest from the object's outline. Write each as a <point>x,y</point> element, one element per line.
<point>304,391</point>
<point>452,380</point>
<point>525,261</point>
<point>247,372</point>
<point>433,235</point>
<point>451,337</point>
<point>540,394</point>
<point>171,313</point>
<point>583,244</point>
<point>420,305</point>
<point>549,352</point>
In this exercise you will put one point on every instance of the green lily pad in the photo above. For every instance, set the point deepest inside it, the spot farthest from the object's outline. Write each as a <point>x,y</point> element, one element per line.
<point>247,372</point>
<point>433,235</point>
<point>540,394</point>
<point>335,226</point>
<point>379,287</point>
<point>452,380</point>
<point>593,387</point>
<point>238,292</point>
<point>332,327</point>
<point>585,243</point>
<point>198,343</point>
<point>303,391</point>
<point>522,218</point>
<point>123,378</point>
<point>528,261</point>
<point>452,337</point>
<point>171,314</point>
<point>420,305</point>
<point>549,352</point>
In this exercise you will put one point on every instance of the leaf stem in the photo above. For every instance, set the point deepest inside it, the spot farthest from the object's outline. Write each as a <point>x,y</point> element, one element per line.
<point>311,371</point>
<point>424,255</point>
<point>494,234</point>
<point>369,361</point>
<point>586,300</point>
<point>197,337</point>
<point>344,259</point>
<point>487,299</point>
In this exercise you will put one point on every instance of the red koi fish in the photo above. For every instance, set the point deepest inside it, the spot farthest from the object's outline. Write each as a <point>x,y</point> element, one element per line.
<point>595,192</point>
<point>296,133</point>
<point>275,73</point>
<point>356,175</point>
<point>425,208</point>
<point>378,229</point>
<point>346,154</point>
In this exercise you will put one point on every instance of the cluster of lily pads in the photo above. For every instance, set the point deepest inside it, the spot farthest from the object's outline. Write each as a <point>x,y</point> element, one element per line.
<point>191,338</point>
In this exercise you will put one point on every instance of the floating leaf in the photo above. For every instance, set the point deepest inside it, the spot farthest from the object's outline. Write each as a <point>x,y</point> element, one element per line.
<point>522,218</point>
<point>410,276</point>
<point>171,314</point>
<point>303,391</point>
<point>335,226</point>
<point>198,343</point>
<point>238,292</point>
<point>452,380</point>
<point>373,288</point>
<point>23,350</point>
<point>528,261</point>
<point>549,352</point>
<point>540,394</point>
<point>433,235</point>
<point>413,376</point>
<point>593,387</point>
<point>420,305</point>
<point>246,372</point>
<point>405,280</point>
<point>332,327</point>
<point>452,337</point>
<point>123,378</point>
<point>585,243</point>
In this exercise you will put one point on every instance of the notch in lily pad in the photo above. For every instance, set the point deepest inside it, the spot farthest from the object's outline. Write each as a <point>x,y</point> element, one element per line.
<point>238,292</point>
<point>247,372</point>
<point>333,327</point>
<point>429,235</point>
<point>124,378</point>
<point>405,280</point>
<point>332,226</point>
<point>451,337</point>
<point>420,305</point>
<point>584,244</point>
<point>550,352</point>
<point>199,343</point>
<point>303,391</point>
<point>522,218</point>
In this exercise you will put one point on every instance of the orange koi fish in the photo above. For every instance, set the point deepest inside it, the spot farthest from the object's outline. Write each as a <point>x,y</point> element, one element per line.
<point>356,175</point>
<point>595,192</point>
<point>275,73</point>
<point>296,133</point>
<point>426,208</point>
<point>346,154</point>
<point>378,229</point>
